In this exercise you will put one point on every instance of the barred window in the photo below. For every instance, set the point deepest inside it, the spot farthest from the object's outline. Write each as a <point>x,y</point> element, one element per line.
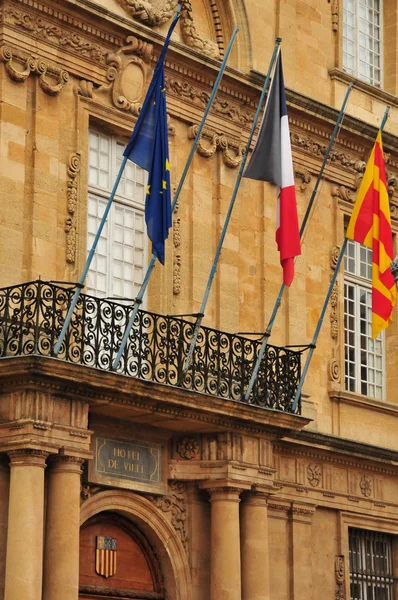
<point>364,356</point>
<point>362,39</point>
<point>118,265</point>
<point>371,565</point>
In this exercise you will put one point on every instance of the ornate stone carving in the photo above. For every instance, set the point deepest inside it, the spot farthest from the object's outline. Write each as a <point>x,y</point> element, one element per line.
<point>334,255</point>
<point>334,370</point>
<point>216,142</point>
<point>188,447</point>
<point>87,490</point>
<point>314,474</point>
<point>366,486</point>
<point>155,13</point>
<point>175,503</point>
<point>340,191</point>
<point>229,109</point>
<point>316,148</point>
<point>190,34</point>
<point>42,28</point>
<point>51,77</point>
<point>335,14</point>
<point>304,175</point>
<point>334,312</point>
<point>340,578</point>
<point>70,221</point>
<point>126,76</point>
<point>177,255</point>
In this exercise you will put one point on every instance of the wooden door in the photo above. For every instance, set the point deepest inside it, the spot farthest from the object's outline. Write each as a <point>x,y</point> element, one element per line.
<point>116,561</point>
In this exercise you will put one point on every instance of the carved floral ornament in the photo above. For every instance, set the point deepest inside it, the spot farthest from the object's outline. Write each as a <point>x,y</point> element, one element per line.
<point>70,222</point>
<point>156,12</point>
<point>188,447</point>
<point>175,503</point>
<point>314,474</point>
<point>217,141</point>
<point>20,66</point>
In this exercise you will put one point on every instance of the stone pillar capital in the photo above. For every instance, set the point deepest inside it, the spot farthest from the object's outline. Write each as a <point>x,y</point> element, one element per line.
<point>256,498</point>
<point>60,463</point>
<point>231,494</point>
<point>28,457</point>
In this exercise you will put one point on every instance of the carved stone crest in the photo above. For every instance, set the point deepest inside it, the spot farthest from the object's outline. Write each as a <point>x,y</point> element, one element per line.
<point>366,486</point>
<point>314,474</point>
<point>126,75</point>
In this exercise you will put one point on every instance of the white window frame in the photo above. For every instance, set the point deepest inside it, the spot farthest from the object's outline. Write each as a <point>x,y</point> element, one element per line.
<point>356,71</point>
<point>359,284</point>
<point>102,194</point>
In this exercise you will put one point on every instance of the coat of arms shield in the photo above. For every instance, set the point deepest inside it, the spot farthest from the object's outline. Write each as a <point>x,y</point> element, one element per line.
<point>105,556</point>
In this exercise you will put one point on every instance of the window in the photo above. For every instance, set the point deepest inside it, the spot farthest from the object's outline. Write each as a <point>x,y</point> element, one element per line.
<point>371,565</point>
<point>362,39</point>
<point>118,265</point>
<point>364,357</point>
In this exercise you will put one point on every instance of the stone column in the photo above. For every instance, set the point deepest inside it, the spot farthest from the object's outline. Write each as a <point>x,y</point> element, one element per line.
<point>24,562</point>
<point>4,494</point>
<point>61,549</point>
<point>254,547</point>
<point>225,569</point>
<point>301,541</point>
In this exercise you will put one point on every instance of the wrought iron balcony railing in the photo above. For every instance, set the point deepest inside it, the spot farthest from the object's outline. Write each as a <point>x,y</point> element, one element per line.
<point>32,315</point>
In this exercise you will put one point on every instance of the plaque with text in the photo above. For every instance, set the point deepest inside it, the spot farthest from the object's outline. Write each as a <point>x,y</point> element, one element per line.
<point>128,464</point>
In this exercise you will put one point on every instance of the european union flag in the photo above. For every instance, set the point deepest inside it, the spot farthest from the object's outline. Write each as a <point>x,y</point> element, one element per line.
<point>149,148</point>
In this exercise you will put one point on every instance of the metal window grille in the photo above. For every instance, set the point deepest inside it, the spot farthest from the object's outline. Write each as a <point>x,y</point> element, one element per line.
<point>362,39</point>
<point>364,356</point>
<point>371,565</point>
<point>118,266</point>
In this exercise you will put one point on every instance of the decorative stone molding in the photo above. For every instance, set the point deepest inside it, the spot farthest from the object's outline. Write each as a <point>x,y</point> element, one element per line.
<point>188,448</point>
<point>366,486</point>
<point>314,474</point>
<point>51,77</point>
<point>318,149</point>
<point>334,312</point>
<point>217,141</point>
<point>339,571</point>
<point>175,503</point>
<point>71,220</point>
<point>154,14</point>
<point>126,76</point>
<point>55,32</point>
<point>27,457</point>
<point>335,14</point>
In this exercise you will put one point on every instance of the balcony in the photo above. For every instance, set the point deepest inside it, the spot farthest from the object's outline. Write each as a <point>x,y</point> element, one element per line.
<point>32,315</point>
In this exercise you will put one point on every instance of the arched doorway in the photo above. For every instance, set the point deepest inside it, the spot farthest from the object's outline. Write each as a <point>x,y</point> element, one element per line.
<point>116,561</point>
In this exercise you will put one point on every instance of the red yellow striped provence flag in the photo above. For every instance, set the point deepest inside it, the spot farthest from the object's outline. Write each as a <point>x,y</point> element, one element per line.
<point>370,225</point>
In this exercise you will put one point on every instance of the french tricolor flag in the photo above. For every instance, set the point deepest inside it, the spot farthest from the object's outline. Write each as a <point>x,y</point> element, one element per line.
<point>272,161</point>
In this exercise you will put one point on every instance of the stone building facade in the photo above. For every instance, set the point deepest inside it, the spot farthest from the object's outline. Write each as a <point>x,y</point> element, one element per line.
<point>128,484</point>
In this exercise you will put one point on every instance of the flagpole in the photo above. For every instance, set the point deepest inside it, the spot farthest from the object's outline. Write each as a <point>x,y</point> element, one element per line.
<point>325,305</point>
<point>302,229</point>
<point>201,313</point>
<point>144,285</point>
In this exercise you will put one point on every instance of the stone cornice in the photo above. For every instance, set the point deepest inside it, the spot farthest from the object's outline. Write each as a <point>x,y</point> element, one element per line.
<point>99,388</point>
<point>314,445</point>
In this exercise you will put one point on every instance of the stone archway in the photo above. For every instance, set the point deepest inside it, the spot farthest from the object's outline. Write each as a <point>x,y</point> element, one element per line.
<point>160,534</point>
